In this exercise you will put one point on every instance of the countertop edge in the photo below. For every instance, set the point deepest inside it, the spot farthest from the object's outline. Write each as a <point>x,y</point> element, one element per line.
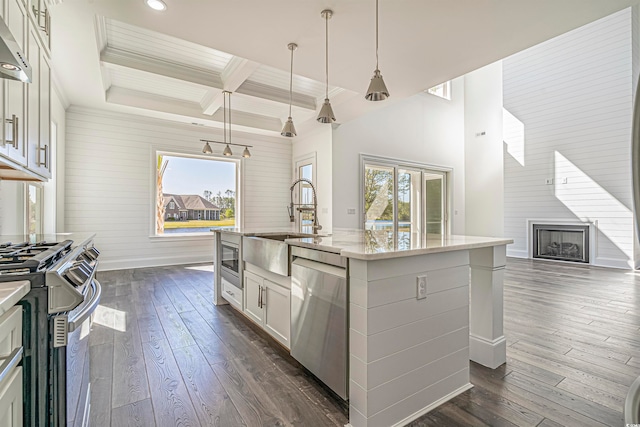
<point>423,251</point>
<point>17,289</point>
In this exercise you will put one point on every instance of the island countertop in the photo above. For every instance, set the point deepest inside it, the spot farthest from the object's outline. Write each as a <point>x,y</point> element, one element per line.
<point>382,244</point>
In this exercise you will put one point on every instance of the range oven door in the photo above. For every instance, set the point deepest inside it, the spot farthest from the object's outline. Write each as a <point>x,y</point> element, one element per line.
<point>70,363</point>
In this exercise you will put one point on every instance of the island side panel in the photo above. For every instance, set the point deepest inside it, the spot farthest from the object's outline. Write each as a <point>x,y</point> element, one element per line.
<point>407,355</point>
<point>217,279</point>
<point>487,344</point>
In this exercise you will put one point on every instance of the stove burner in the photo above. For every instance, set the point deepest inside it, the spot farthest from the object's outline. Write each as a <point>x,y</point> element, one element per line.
<point>30,257</point>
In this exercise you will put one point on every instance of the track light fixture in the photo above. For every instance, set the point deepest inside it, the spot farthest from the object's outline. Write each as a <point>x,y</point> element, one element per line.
<point>227,149</point>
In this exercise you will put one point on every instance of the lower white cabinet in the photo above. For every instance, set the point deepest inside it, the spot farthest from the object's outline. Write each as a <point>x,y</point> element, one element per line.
<point>231,294</point>
<point>269,305</point>
<point>11,399</point>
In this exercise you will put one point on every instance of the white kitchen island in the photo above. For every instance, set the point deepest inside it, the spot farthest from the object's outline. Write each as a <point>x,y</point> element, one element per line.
<point>409,349</point>
<point>409,353</point>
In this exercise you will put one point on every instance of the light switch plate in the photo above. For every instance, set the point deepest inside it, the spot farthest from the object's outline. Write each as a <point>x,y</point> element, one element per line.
<point>351,211</point>
<point>548,181</point>
<point>421,291</point>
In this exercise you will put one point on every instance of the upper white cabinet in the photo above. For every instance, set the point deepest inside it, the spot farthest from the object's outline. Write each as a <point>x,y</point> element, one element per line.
<point>14,99</point>
<point>26,107</point>
<point>38,105</point>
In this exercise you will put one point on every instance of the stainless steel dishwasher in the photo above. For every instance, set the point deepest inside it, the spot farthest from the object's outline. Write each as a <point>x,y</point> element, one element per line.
<point>319,316</point>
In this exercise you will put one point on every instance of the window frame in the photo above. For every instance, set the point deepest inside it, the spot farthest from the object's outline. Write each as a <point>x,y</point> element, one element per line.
<point>191,154</point>
<point>424,168</point>
<point>300,161</point>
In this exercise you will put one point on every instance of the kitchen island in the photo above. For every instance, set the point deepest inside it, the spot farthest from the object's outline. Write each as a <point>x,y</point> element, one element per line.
<point>419,308</point>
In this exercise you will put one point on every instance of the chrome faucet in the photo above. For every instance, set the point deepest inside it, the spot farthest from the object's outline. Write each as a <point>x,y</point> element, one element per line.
<point>303,207</point>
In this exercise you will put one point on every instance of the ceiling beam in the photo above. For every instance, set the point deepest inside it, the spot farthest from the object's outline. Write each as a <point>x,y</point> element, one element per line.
<point>234,74</point>
<point>123,58</point>
<point>147,101</point>
<point>260,90</point>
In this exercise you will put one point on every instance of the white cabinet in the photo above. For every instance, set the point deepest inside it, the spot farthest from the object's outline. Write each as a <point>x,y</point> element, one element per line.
<point>231,294</point>
<point>38,117</point>
<point>39,11</point>
<point>14,99</point>
<point>268,304</point>
<point>11,402</point>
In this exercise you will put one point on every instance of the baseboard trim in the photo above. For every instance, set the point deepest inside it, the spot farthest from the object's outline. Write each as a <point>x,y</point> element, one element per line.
<point>488,353</point>
<point>122,264</point>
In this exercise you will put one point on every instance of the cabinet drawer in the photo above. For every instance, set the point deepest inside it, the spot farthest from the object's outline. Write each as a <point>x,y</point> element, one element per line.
<point>232,294</point>
<point>11,399</point>
<point>10,330</point>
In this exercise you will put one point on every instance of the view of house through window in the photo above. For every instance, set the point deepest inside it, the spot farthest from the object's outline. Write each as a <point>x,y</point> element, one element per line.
<point>407,201</point>
<point>195,194</point>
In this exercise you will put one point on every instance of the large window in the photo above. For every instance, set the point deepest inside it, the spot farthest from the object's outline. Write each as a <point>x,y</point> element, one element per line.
<point>405,199</point>
<point>305,168</point>
<point>33,193</point>
<point>195,194</point>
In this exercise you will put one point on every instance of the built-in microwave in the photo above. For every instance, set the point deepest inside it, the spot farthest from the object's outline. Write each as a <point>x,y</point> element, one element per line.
<point>230,262</point>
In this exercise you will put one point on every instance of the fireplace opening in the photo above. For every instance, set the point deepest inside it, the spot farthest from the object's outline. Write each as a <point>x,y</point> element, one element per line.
<point>561,242</point>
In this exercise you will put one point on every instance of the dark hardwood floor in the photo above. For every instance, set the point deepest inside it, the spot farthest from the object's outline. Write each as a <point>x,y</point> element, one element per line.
<point>163,355</point>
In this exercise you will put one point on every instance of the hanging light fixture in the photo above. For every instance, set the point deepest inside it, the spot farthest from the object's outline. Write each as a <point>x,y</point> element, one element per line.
<point>326,112</point>
<point>377,89</point>
<point>227,150</point>
<point>289,130</point>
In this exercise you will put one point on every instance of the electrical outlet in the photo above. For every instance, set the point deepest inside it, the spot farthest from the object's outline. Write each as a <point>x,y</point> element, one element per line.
<point>563,180</point>
<point>351,211</point>
<point>548,181</point>
<point>421,287</point>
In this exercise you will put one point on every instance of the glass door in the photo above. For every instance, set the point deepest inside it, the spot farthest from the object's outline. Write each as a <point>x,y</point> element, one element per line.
<point>435,202</point>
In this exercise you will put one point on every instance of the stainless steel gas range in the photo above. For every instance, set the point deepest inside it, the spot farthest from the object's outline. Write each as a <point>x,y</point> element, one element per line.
<point>56,323</point>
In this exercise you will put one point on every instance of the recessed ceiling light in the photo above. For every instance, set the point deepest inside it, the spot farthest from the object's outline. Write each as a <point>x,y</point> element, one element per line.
<point>156,4</point>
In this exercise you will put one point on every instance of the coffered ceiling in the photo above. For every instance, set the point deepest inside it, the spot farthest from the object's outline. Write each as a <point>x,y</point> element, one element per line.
<point>120,55</point>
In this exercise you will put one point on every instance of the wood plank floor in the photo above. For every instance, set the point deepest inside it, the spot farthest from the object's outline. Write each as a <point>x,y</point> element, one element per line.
<point>163,355</point>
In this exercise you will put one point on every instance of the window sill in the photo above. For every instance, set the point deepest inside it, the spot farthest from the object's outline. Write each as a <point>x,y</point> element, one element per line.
<point>177,237</point>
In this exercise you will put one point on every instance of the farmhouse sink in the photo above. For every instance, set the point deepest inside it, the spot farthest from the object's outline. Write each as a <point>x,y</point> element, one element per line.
<point>269,251</point>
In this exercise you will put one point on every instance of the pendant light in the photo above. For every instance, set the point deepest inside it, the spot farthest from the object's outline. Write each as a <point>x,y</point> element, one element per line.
<point>377,89</point>
<point>326,112</point>
<point>289,130</point>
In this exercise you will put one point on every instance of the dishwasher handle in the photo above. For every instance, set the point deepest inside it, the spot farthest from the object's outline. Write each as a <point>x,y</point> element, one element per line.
<point>324,268</point>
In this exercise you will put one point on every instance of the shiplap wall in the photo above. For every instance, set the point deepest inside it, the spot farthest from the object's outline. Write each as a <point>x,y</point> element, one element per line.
<point>110,190</point>
<point>573,98</point>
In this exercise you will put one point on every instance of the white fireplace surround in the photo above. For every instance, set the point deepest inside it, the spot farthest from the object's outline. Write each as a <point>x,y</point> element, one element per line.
<point>593,239</point>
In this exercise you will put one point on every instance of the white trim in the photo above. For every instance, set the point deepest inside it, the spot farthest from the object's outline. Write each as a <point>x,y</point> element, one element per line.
<point>489,353</point>
<point>434,405</point>
<point>106,265</point>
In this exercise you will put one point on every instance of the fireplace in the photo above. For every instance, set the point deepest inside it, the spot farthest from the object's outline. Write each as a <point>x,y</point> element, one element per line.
<point>561,242</point>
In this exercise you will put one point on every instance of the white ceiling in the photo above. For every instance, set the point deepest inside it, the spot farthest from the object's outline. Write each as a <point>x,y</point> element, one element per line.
<point>123,56</point>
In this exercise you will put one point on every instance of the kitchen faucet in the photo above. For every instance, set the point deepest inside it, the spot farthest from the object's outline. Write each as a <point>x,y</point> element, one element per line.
<point>303,207</point>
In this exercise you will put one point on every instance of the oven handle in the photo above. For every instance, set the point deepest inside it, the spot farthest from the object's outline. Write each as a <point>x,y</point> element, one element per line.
<point>79,318</point>
<point>10,362</point>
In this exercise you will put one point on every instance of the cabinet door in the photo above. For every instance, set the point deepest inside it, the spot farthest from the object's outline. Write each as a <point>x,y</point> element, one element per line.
<point>35,150</point>
<point>15,92</point>
<point>252,297</point>
<point>44,156</point>
<point>11,399</point>
<point>277,311</point>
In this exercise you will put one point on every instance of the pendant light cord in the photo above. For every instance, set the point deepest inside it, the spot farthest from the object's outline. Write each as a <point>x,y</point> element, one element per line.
<point>224,110</point>
<point>376,34</point>
<point>326,21</point>
<point>291,82</point>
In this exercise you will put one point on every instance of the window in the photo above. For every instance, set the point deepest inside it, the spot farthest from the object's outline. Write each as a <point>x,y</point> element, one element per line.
<point>33,208</point>
<point>405,199</point>
<point>195,194</point>
<point>443,90</point>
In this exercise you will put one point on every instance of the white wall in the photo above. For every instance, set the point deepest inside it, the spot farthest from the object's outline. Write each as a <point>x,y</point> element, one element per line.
<point>571,102</point>
<point>484,199</point>
<point>110,190</point>
<point>319,143</point>
<point>423,128</point>
<point>12,208</point>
